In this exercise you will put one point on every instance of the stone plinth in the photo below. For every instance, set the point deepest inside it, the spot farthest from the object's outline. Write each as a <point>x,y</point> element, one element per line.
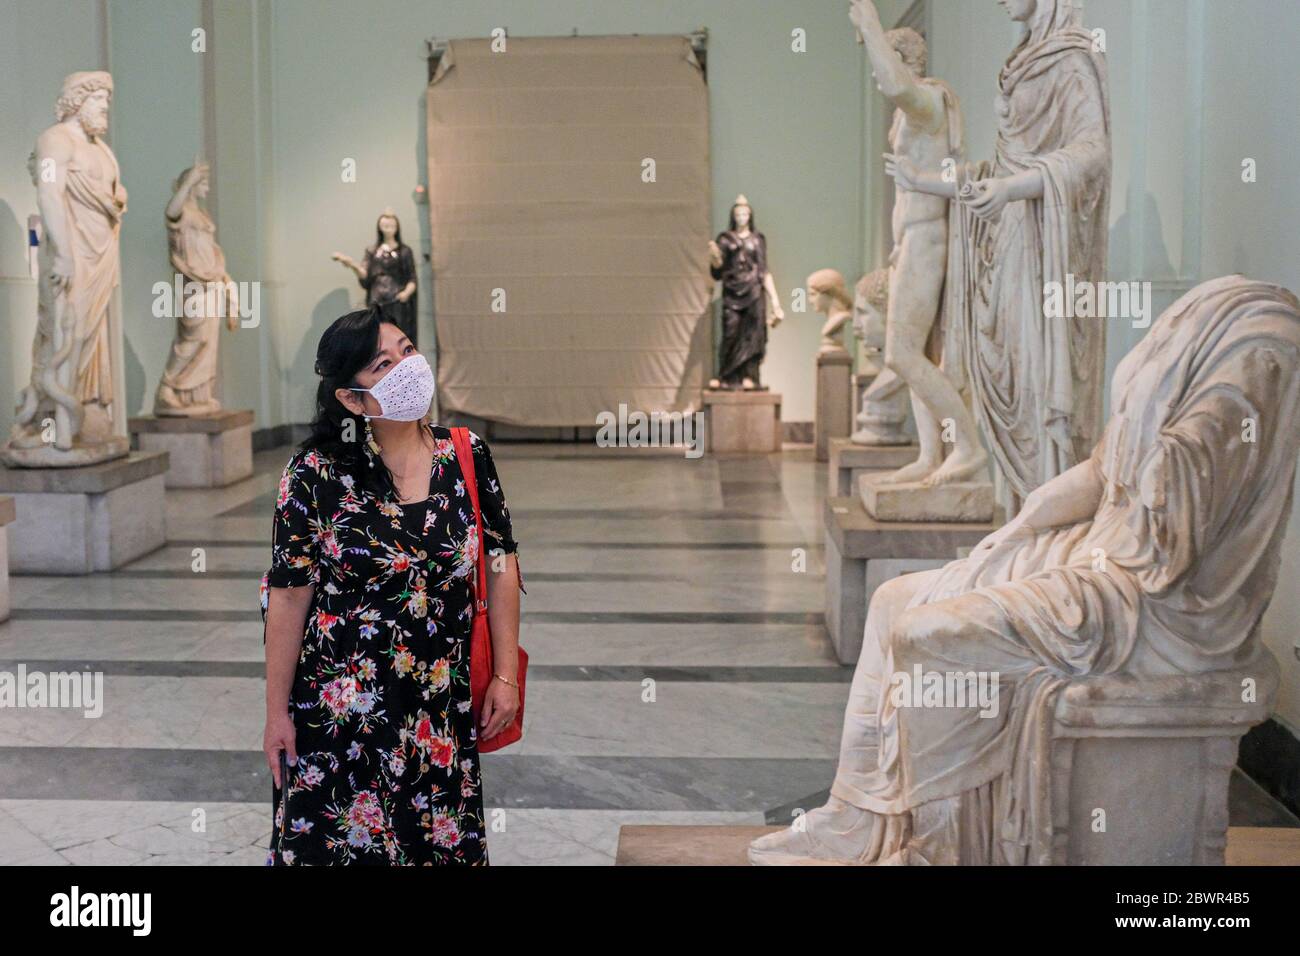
<point>741,422</point>
<point>834,399</point>
<point>82,520</point>
<point>7,514</point>
<point>862,553</point>
<point>913,501</point>
<point>206,451</point>
<point>849,461</point>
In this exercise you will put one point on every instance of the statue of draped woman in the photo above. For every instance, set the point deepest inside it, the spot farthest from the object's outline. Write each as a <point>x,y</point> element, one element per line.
<point>1156,555</point>
<point>189,382</point>
<point>738,257</point>
<point>1033,216</point>
<point>387,273</point>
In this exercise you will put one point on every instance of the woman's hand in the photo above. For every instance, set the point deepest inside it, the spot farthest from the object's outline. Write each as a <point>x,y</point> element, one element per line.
<point>499,708</point>
<point>279,735</point>
<point>1014,530</point>
<point>906,176</point>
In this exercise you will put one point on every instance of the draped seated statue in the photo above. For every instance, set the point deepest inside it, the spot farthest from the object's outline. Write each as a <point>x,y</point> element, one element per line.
<point>1074,689</point>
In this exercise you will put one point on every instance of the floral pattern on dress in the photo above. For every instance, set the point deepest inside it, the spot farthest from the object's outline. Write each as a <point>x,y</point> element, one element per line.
<point>388,765</point>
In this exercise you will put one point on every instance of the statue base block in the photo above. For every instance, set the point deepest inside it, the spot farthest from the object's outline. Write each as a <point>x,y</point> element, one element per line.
<point>83,520</point>
<point>913,501</point>
<point>207,451</point>
<point>863,553</point>
<point>741,422</point>
<point>849,461</point>
<point>7,514</point>
<point>676,845</point>
<point>78,456</point>
<point>834,399</point>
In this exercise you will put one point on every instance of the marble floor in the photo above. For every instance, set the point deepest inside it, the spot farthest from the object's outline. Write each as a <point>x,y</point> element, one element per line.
<point>680,669</point>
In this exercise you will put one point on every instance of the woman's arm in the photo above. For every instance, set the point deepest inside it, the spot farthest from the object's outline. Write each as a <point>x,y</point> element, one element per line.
<point>1069,498</point>
<point>286,623</point>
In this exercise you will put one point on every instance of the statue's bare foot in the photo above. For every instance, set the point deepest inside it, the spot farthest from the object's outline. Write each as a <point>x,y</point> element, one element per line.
<point>715,383</point>
<point>835,834</point>
<point>916,471</point>
<point>748,384</point>
<point>959,466</point>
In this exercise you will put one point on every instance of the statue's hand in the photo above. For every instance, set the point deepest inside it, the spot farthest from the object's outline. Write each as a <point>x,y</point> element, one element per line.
<point>61,273</point>
<point>988,197</point>
<point>864,14</point>
<point>715,254</point>
<point>903,170</point>
<point>342,257</point>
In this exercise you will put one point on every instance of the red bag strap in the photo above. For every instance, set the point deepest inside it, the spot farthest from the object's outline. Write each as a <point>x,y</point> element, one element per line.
<point>465,458</point>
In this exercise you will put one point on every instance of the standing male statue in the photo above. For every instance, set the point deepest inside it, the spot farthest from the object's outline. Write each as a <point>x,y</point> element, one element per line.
<point>65,416</point>
<point>927,129</point>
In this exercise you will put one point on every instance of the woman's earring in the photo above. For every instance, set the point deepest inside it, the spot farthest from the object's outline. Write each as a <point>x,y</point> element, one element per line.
<point>370,439</point>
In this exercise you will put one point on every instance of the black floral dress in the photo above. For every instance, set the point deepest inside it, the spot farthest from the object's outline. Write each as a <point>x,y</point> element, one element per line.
<point>388,765</point>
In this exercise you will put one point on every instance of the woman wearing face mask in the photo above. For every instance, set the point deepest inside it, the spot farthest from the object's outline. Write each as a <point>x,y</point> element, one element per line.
<point>368,611</point>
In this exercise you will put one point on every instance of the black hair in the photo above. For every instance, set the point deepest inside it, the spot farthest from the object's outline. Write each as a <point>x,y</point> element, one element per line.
<point>379,233</point>
<point>345,348</point>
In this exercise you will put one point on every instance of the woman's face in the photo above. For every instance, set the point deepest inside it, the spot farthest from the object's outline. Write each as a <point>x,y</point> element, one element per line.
<point>1019,10</point>
<point>742,216</point>
<point>201,187</point>
<point>387,227</point>
<point>393,346</point>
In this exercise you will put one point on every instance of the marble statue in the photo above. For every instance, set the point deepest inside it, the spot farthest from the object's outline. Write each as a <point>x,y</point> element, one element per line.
<point>65,415</point>
<point>189,382</point>
<point>883,416</point>
<point>927,129</point>
<point>738,257</point>
<point>387,273</point>
<point>1155,556</point>
<point>831,298</point>
<point>1032,219</point>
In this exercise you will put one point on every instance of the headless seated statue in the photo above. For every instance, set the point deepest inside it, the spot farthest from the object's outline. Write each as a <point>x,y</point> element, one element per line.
<point>1134,576</point>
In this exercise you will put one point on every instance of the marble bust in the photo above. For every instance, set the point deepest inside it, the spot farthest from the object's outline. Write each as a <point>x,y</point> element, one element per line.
<point>829,296</point>
<point>1154,557</point>
<point>65,415</point>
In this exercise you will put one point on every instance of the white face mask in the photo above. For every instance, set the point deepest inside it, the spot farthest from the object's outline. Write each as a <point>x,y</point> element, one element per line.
<point>405,393</point>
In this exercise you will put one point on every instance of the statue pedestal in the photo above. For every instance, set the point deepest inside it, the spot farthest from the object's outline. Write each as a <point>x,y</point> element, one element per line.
<point>863,553</point>
<point>207,451</point>
<point>714,845</point>
<point>740,422</point>
<point>7,514</point>
<point>834,399</point>
<point>849,461</point>
<point>82,520</point>
<point>913,501</point>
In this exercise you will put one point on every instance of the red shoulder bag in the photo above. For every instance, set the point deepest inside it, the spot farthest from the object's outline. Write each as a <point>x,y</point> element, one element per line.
<point>480,642</point>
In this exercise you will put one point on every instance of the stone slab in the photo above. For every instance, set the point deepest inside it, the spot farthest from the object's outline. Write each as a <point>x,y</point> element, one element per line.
<point>857,535</point>
<point>834,400</point>
<point>913,501</point>
<point>91,479</point>
<point>6,602</point>
<point>727,845</point>
<point>208,451</point>
<point>79,456</point>
<point>741,422</point>
<point>849,461</point>
<point>7,510</point>
<point>83,520</point>
<point>225,420</point>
